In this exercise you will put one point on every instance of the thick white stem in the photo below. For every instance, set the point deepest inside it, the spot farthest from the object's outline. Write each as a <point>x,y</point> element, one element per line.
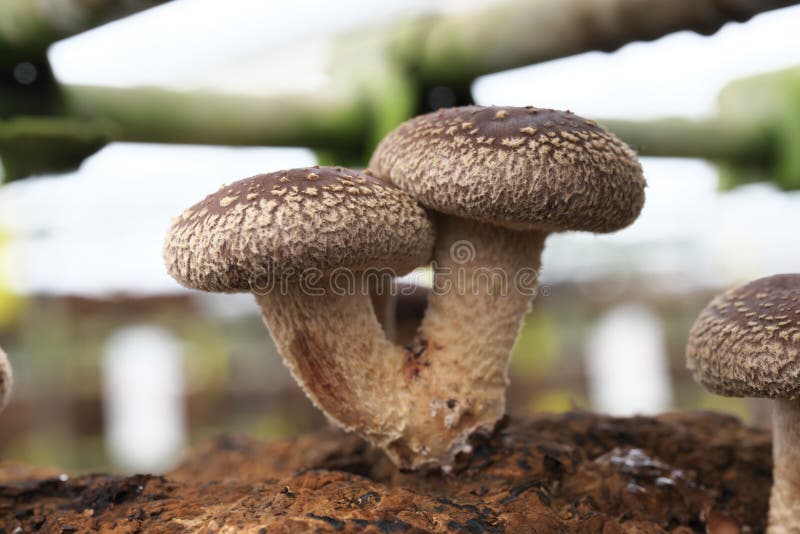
<point>784,502</point>
<point>338,353</point>
<point>485,282</point>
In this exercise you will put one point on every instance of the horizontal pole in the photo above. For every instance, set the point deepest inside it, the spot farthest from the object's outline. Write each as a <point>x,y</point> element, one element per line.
<point>714,139</point>
<point>457,49</point>
<point>363,101</point>
<point>43,145</point>
<point>29,27</point>
<point>334,118</point>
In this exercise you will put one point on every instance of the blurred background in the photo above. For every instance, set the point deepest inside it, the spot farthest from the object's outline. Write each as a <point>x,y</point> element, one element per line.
<point>115,120</point>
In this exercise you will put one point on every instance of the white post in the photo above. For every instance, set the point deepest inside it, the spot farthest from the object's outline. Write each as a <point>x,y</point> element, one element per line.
<point>627,363</point>
<point>143,399</point>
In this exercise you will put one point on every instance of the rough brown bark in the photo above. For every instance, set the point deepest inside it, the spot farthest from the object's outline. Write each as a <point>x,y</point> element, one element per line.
<point>573,473</point>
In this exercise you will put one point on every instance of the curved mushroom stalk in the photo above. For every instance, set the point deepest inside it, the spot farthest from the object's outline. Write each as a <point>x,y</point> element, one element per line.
<point>419,404</point>
<point>457,370</point>
<point>534,170</point>
<point>274,228</point>
<point>6,380</point>
<point>784,501</point>
<point>384,302</point>
<point>336,350</point>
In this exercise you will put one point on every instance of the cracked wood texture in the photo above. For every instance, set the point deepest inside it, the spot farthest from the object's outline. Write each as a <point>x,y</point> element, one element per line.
<point>578,472</point>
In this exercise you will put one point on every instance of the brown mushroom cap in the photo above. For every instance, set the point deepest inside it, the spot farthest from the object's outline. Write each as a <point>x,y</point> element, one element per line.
<point>516,167</point>
<point>283,223</point>
<point>746,342</point>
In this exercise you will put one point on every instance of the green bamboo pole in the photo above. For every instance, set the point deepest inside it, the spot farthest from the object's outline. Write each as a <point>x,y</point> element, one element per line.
<point>427,51</point>
<point>386,92</point>
<point>39,145</point>
<point>457,49</point>
<point>774,99</point>
<point>344,121</point>
<point>27,85</point>
<point>28,27</point>
<point>754,137</point>
<point>334,118</point>
<point>381,75</point>
<point>714,139</point>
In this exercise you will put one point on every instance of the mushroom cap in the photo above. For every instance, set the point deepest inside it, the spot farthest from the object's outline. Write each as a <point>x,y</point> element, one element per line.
<point>746,342</point>
<point>282,224</point>
<point>525,168</point>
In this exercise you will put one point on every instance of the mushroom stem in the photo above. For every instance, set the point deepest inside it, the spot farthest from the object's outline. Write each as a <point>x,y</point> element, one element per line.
<point>419,404</point>
<point>384,302</point>
<point>6,380</point>
<point>485,282</point>
<point>784,502</point>
<point>337,351</point>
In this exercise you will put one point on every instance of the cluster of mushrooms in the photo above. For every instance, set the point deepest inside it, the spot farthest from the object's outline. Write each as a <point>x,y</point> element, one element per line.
<point>500,179</point>
<point>497,179</point>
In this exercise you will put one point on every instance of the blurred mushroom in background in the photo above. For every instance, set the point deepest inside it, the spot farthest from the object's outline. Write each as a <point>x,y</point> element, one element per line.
<point>6,380</point>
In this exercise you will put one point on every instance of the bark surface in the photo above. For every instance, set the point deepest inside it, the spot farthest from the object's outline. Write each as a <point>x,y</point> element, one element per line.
<point>578,472</point>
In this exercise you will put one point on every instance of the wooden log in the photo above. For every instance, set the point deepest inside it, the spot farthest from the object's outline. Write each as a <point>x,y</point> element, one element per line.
<point>576,472</point>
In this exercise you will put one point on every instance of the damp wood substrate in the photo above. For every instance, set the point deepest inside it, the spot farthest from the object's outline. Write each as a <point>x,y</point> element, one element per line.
<point>576,472</point>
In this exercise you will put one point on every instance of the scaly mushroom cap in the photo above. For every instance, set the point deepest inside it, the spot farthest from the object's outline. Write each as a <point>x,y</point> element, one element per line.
<point>283,223</point>
<point>517,167</point>
<point>746,342</point>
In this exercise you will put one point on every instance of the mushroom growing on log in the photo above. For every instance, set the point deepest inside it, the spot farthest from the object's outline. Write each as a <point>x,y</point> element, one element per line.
<point>306,243</point>
<point>746,343</point>
<point>501,179</point>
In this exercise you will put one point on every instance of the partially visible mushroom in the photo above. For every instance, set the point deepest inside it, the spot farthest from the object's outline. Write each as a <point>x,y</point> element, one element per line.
<point>746,343</point>
<point>6,380</point>
<point>502,180</point>
<point>301,240</point>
